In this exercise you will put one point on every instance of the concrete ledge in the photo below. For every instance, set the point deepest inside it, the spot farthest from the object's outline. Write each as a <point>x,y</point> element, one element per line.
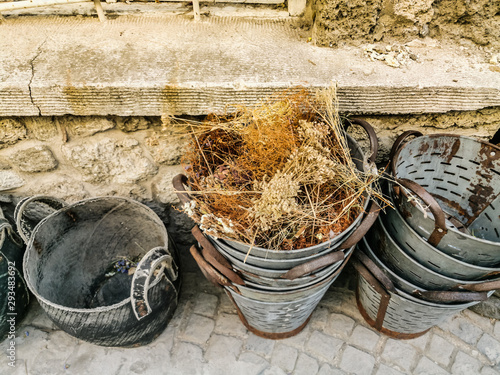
<point>148,65</point>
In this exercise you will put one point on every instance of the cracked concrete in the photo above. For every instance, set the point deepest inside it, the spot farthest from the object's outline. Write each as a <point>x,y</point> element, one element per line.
<point>149,66</point>
<point>32,64</point>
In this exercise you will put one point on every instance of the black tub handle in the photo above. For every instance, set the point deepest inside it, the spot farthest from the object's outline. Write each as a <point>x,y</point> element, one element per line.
<point>53,203</point>
<point>143,275</point>
<point>371,135</point>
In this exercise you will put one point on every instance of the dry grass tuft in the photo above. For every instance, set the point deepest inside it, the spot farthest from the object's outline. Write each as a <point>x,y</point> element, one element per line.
<point>278,176</point>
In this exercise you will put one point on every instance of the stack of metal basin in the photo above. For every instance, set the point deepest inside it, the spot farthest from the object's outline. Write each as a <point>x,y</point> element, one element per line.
<point>276,291</point>
<point>438,250</point>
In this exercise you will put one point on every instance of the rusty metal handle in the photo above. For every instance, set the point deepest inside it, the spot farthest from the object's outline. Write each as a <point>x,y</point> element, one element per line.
<point>397,145</point>
<point>314,265</point>
<point>451,296</point>
<point>385,297</point>
<point>371,135</point>
<point>216,260</point>
<point>485,286</point>
<point>178,182</point>
<point>440,228</point>
<point>375,270</point>
<point>210,273</point>
<point>363,228</point>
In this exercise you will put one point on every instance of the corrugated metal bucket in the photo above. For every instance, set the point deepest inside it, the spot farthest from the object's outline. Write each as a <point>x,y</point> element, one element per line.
<point>258,256</point>
<point>396,313</point>
<point>78,261</point>
<point>463,175</point>
<point>270,314</point>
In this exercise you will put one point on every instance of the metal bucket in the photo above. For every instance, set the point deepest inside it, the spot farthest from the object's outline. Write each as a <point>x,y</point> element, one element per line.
<point>444,296</point>
<point>405,266</point>
<point>463,175</point>
<point>14,295</point>
<point>67,267</point>
<point>396,313</point>
<point>270,314</point>
<point>429,256</point>
<point>290,258</point>
<point>274,278</point>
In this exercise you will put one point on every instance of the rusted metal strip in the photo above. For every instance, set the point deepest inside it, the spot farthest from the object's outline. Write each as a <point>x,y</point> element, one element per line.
<point>385,331</point>
<point>397,145</point>
<point>267,335</point>
<point>375,271</point>
<point>439,217</point>
<point>178,182</point>
<point>313,265</point>
<point>365,225</point>
<point>213,257</point>
<point>210,273</point>
<point>451,296</point>
<point>371,135</point>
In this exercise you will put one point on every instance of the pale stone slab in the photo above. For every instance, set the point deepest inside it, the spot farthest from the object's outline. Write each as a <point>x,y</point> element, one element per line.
<point>399,353</point>
<point>357,362</point>
<point>465,365</point>
<point>440,350</point>
<point>196,68</point>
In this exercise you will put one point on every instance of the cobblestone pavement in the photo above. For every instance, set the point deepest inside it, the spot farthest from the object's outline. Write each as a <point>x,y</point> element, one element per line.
<point>206,337</point>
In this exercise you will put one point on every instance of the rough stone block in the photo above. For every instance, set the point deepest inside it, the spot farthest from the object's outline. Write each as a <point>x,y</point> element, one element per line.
<point>464,364</point>
<point>306,365</point>
<point>163,190</point>
<point>440,350</point>
<point>323,346</point>
<point>11,132</point>
<point>364,338</point>
<point>34,159</point>
<point>41,128</point>
<point>10,180</point>
<point>386,370</point>
<point>106,160</point>
<point>399,353</point>
<point>132,124</point>
<point>357,362</point>
<point>490,348</point>
<point>187,359</point>
<point>85,126</point>
<point>166,149</point>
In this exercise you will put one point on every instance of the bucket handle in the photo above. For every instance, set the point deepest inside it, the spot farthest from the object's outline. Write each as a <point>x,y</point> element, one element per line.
<point>440,228</point>
<point>330,258</point>
<point>24,232</point>
<point>371,135</point>
<point>178,182</point>
<point>210,273</point>
<point>212,256</point>
<point>142,277</point>
<point>397,145</point>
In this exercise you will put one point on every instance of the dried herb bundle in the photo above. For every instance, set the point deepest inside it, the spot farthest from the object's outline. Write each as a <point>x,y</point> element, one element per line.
<point>278,176</point>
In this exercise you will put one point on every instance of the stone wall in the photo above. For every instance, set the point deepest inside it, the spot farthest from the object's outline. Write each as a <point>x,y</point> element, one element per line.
<point>80,157</point>
<point>356,21</point>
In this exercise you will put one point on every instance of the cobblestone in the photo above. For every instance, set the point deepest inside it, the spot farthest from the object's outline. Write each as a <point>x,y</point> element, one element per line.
<point>357,362</point>
<point>440,350</point>
<point>399,353</point>
<point>364,338</point>
<point>323,346</point>
<point>465,365</point>
<point>306,365</point>
<point>206,337</point>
